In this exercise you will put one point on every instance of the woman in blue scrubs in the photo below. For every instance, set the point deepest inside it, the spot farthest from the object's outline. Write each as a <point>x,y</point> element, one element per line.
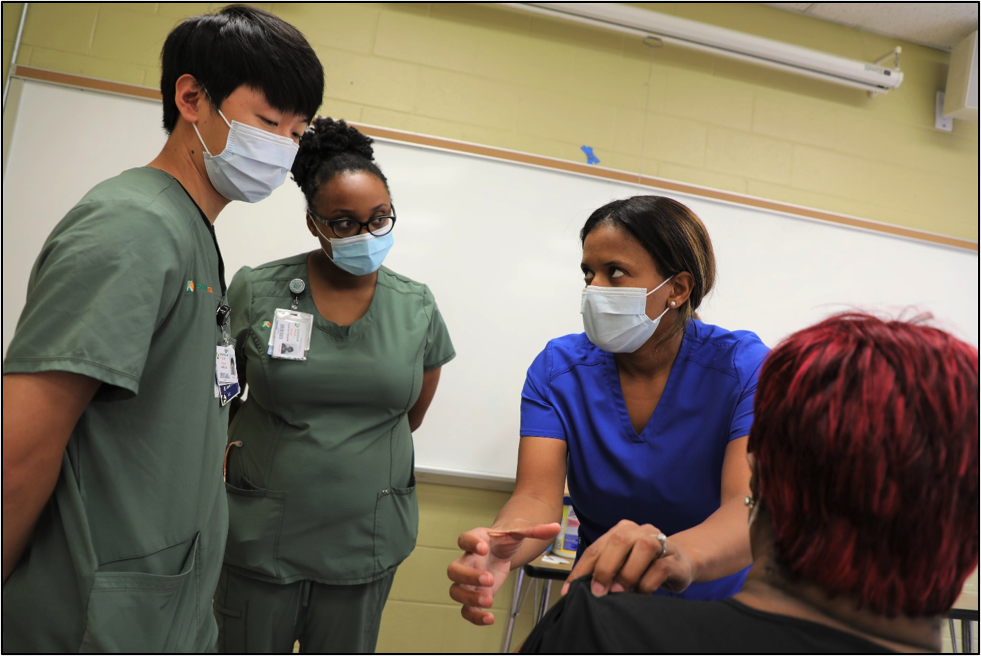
<point>647,413</point>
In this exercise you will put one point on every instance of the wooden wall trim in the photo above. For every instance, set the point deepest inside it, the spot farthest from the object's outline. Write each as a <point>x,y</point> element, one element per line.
<point>78,81</point>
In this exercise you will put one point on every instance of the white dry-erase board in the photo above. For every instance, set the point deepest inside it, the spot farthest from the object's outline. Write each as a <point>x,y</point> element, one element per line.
<point>497,241</point>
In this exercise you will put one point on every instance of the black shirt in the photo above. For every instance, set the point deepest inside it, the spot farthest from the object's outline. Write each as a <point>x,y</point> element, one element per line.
<point>634,623</point>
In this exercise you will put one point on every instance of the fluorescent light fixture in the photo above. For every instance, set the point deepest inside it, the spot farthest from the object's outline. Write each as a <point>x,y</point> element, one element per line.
<point>726,43</point>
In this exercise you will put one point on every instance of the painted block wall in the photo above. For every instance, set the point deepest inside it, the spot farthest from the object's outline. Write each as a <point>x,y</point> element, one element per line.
<point>487,75</point>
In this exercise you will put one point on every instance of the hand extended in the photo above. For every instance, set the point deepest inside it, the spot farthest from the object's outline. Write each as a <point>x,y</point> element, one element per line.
<point>628,557</point>
<point>478,574</point>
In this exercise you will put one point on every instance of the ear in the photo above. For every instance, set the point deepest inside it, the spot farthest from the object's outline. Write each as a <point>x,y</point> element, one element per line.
<point>189,97</point>
<point>681,286</point>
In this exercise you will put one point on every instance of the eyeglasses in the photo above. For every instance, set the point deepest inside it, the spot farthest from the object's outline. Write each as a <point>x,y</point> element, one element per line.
<point>378,226</point>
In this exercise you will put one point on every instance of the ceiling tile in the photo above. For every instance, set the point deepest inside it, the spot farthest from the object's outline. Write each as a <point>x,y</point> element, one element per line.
<point>936,24</point>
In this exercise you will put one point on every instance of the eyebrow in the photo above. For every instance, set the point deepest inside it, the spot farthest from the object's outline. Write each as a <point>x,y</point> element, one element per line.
<point>373,209</point>
<point>612,263</point>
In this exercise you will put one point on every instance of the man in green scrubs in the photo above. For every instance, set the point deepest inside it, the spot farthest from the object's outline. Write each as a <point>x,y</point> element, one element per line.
<point>114,512</point>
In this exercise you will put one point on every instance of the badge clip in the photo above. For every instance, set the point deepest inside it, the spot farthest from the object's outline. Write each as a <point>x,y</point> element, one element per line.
<point>296,286</point>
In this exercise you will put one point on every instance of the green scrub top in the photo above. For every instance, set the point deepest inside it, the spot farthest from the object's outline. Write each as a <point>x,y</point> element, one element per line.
<point>322,487</point>
<point>126,554</point>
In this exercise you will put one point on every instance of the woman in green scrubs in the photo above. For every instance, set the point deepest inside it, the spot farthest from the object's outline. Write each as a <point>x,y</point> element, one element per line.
<point>342,358</point>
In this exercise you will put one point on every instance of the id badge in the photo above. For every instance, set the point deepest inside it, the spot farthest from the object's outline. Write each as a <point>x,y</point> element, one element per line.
<point>289,338</point>
<point>226,374</point>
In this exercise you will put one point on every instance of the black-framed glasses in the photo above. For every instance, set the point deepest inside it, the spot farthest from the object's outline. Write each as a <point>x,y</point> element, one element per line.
<point>378,226</point>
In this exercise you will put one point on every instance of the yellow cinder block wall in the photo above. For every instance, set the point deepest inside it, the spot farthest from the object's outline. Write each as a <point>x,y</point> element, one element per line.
<point>484,74</point>
<point>488,75</point>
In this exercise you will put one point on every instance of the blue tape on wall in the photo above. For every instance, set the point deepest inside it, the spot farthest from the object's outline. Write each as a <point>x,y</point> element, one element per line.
<point>590,157</point>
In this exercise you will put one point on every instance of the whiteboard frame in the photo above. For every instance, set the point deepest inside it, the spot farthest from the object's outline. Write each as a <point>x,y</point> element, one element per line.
<point>662,184</point>
<point>642,183</point>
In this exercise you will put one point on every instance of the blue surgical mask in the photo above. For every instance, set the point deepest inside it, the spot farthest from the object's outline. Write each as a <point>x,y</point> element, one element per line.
<point>358,255</point>
<point>253,163</point>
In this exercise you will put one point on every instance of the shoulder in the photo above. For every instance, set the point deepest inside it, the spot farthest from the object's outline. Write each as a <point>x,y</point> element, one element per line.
<point>564,354</point>
<point>241,279</point>
<point>269,280</point>
<point>403,284</point>
<point>738,353</point>
<point>140,218</point>
<point>287,267</point>
<point>622,623</point>
<point>273,278</point>
<point>143,193</point>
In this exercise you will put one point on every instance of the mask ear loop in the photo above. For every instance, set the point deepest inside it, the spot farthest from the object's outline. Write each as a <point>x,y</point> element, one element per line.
<point>317,228</point>
<point>662,314</point>
<point>666,281</point>
<point>217,109</point>
<point>203,145</point>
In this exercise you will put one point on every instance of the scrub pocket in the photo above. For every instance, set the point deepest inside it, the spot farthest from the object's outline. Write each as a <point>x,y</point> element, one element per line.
<point>133,611</point>
<point>396,525</point>
<point>255,521</point>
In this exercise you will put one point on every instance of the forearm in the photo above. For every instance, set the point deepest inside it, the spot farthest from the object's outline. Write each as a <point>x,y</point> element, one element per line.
<point>39,413</point>
<point>719,546</point>
<point>522,509</point>
<point>23,499</point>
<point>430,380</point>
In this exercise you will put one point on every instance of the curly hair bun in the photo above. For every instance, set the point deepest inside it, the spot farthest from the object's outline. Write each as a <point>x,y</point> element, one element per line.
<point>324,140</point>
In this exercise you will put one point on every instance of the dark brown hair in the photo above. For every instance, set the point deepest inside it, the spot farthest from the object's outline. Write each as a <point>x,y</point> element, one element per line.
<point>673,235</point>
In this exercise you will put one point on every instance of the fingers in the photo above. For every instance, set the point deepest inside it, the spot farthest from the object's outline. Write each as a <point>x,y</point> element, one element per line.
<point>587,562</point>
<point>470,596</point>
<point>534,531</point>
<point>505,542</point>
<point>644,552</point>
<point>673,572</point>
<point>480,571</point>
<point>608,562</point>
<point>474,541</point>
<point>459,571</point>
<point>583,567</point>
<point>619,558</point>
<point>472,583</point>
<point>477,616</point>
<point>655,576</point>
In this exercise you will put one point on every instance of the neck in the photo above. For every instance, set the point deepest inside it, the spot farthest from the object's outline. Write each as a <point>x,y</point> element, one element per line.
<point>765,589</point>
<point>335,277</point>
<point>182,158</point>
<point>655,357</point>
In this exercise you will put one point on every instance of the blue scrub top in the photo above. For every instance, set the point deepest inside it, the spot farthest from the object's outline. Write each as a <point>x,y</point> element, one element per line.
<point>669,475</point>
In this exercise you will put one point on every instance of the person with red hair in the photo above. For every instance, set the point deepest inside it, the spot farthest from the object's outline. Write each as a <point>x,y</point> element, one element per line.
<point>863,514</point>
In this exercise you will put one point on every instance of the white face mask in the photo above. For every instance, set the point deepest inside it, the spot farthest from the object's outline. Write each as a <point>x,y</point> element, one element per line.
<point>253,164</point>
<point>615,318</point>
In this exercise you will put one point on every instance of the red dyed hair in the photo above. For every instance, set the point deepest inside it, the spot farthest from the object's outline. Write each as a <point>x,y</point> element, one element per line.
<point>866,444</point>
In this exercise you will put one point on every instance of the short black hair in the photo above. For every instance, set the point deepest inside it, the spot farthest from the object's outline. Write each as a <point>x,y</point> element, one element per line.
<point>242,45</point>
<point>330,147</point>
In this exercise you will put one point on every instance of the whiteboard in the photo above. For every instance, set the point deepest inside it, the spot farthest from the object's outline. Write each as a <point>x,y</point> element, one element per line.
<point>497,242</point>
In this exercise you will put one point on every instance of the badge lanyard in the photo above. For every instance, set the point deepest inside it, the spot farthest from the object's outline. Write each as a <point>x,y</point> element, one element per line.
<point>226,370</point>
<point>291,331</point>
